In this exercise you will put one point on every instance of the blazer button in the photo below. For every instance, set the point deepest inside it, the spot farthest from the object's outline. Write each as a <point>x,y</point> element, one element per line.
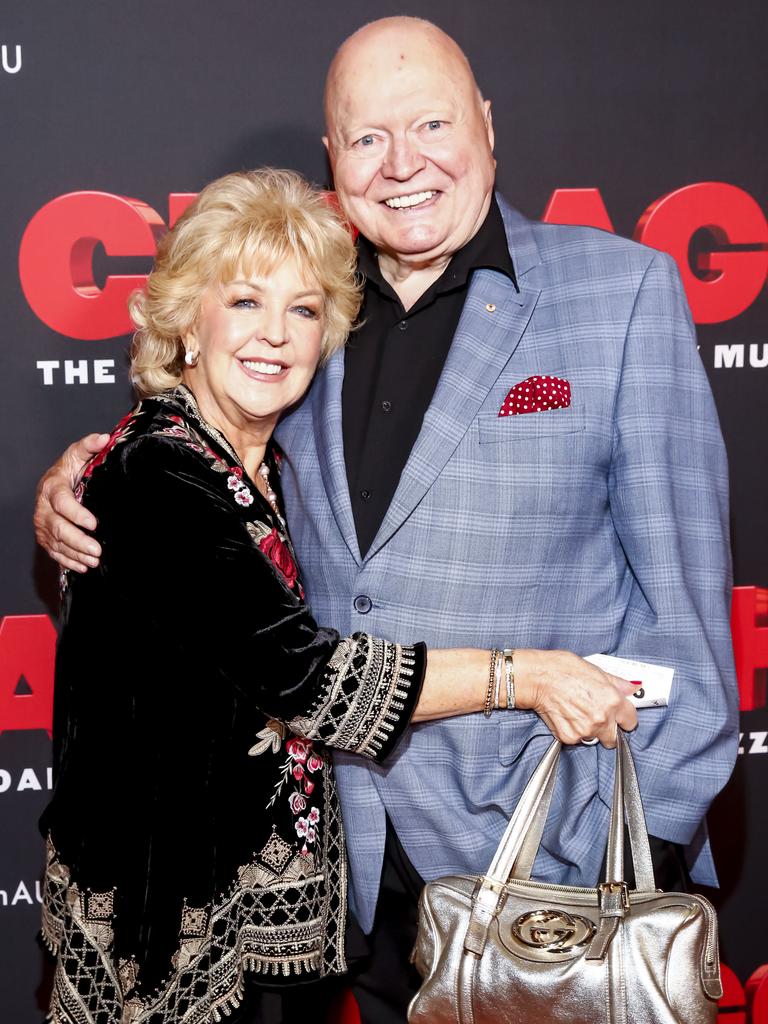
<point>363,604</point>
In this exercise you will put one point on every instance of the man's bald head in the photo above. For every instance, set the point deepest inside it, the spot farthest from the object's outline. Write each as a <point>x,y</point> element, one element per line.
<point>397,40</point>
<point>410,140</point>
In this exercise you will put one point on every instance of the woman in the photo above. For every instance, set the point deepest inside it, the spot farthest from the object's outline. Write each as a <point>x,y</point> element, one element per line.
<point>194,834</point>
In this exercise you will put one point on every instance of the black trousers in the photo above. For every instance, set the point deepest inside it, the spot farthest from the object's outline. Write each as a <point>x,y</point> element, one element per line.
<point>290,1005</point>
<point>384,981</point>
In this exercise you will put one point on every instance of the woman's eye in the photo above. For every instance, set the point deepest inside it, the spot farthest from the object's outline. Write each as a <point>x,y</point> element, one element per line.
<point>243,303</point>
<point>307,312</point>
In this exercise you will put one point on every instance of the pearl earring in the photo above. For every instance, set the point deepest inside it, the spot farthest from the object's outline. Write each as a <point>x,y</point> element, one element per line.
<point>190,357</point>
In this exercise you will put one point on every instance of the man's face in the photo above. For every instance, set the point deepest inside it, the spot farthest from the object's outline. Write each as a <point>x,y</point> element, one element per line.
<point>411,148</point>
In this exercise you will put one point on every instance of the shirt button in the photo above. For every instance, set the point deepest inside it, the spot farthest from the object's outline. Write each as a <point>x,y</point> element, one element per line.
<point>363,604</point>
<point>386,406</point>
<point>365,495</point>
<point>403,325</point>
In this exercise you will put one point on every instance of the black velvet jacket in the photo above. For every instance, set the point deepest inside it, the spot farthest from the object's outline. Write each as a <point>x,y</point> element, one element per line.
<point>194,831</point>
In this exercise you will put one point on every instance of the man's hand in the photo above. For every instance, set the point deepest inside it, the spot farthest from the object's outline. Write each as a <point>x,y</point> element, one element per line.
<point>59,518</point>
<point>576,699</point>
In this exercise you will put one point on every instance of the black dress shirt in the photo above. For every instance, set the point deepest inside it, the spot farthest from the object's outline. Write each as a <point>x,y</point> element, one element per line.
<point>392,366</point>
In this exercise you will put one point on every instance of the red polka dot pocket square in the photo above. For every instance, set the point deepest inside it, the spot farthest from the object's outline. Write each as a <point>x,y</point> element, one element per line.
<point>537,394</point>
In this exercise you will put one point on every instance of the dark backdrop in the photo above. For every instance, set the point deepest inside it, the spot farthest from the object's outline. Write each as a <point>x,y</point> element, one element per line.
<point>144,99</point>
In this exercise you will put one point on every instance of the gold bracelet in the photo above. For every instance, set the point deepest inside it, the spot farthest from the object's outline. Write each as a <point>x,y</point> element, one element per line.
<point>509,674</point>
<point>488,704</point>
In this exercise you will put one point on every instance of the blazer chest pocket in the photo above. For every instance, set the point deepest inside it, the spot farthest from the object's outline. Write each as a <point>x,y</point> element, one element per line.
<point>532,426</point>
<point>532,466</point>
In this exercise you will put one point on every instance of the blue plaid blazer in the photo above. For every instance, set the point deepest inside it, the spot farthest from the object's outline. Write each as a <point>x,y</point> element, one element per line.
<point>602,527</point>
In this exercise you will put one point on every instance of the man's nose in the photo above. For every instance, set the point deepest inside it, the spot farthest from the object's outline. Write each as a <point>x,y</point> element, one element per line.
<point>403,159</point>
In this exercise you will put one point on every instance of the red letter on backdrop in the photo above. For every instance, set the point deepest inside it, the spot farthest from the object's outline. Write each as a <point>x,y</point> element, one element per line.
<point>733,998</point>
<point>55,261</point>
<point>749,630</point>
<point>177,204</point>
<point>28,649</point>
<point>757,994</point>
<point>732,280</point>
<point>577,206</point>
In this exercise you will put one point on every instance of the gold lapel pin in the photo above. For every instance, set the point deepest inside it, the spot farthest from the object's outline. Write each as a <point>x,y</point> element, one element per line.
<point>490,307</point>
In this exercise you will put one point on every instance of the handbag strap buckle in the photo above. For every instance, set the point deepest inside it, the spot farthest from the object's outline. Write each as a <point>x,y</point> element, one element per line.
<point>610,894</point>
<point>485,882</point>
<point>613,898</point>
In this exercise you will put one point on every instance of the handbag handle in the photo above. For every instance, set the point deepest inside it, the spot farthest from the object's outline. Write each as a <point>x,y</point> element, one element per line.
<point>627,801</point>
<point>520,843</point>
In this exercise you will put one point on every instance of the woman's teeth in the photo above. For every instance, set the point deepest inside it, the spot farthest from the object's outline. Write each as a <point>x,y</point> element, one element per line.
<point>398,202</point>
<point>257,367</point>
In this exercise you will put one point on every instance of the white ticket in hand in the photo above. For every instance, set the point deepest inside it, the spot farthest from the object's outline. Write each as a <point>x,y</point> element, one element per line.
<point>655,681</point>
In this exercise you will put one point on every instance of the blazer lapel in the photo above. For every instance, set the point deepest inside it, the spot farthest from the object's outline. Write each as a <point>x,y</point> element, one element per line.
<point>492,323</point>
<point>326,416</point>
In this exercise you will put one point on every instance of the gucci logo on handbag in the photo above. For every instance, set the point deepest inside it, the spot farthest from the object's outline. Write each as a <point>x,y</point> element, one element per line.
<point>552,930</point>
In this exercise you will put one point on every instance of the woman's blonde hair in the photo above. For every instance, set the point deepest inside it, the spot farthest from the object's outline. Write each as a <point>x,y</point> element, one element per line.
<point>249,222</point>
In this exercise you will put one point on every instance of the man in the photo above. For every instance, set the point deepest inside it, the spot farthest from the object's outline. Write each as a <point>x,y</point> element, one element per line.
<point>518,449</point>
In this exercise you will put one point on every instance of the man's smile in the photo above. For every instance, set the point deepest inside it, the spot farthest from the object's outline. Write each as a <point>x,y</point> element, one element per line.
<point>407,202</point>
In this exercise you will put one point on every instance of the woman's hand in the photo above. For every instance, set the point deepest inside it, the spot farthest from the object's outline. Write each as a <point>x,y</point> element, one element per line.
<point>576,700</point>
<point>59,519</point>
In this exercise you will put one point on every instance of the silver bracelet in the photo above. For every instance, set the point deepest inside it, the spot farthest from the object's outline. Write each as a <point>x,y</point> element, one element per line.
<point>509,674</point>
<point>497,680</point>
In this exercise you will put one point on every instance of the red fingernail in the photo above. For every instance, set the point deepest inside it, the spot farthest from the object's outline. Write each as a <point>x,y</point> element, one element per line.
<point>635,682</point>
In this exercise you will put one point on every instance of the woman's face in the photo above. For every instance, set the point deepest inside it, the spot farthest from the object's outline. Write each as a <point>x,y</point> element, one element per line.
<point>259,340</point>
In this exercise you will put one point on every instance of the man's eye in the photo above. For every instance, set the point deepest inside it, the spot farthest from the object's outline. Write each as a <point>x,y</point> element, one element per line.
<point>434,125</point>
<point>365,141</point>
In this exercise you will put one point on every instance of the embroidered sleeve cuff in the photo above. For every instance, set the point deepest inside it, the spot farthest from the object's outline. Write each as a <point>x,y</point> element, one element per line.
<point>372,688</point>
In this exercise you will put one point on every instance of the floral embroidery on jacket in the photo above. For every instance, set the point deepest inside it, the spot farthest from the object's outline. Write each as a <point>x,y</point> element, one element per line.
<point>272,544</point>
<point>235,483</point>
<point>120,434</point>
<point>275,548</point>
<point>302,762</point>
<point>269,540</point>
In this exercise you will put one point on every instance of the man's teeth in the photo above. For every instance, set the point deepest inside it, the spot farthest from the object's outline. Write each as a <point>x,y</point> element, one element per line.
<point>251,364</point>
<point>398,202</point>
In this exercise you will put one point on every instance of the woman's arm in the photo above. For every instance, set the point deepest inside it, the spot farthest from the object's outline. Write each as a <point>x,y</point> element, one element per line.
<point>574,698</point>
<point>176,544</point>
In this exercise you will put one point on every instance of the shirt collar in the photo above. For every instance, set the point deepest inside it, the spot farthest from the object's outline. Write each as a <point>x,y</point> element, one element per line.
<point>487,249</point>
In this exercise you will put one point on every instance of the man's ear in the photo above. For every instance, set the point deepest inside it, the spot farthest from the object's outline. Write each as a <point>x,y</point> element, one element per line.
<point>488,117</point>
<point>329,153</point>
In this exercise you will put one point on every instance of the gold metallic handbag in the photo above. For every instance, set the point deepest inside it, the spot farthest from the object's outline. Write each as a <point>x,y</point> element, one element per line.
<point>501,949</point>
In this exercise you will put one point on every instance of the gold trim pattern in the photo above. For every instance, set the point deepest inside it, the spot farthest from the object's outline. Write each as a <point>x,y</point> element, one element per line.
<point>268,923</point>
